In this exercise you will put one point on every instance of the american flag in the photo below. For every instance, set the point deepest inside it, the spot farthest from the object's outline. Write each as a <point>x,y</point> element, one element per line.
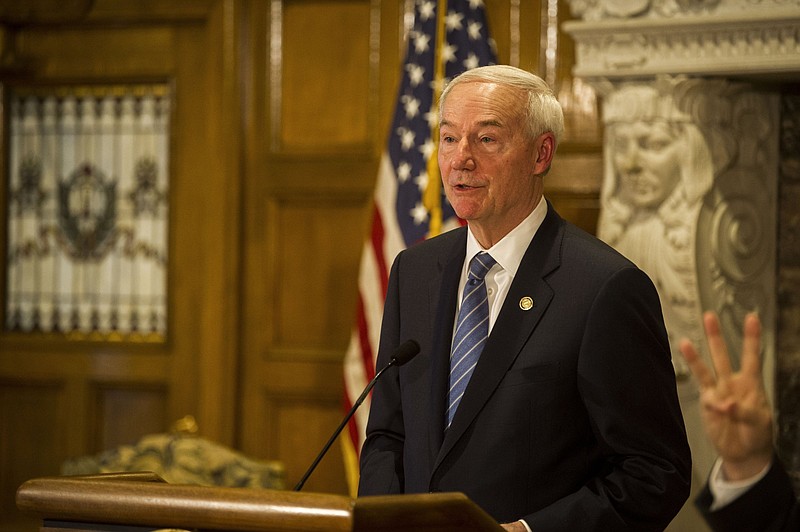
<point>409,204</point>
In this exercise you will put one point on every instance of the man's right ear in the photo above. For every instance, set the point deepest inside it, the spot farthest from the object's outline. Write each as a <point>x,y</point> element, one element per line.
<point>545,150</point>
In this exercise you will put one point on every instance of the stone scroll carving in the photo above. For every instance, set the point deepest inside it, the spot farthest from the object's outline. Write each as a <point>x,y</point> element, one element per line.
<point>689,194</point>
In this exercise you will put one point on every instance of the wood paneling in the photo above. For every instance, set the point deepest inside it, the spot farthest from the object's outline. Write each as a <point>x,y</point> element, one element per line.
<point>32,429</point>
<point>98,52</point>
<point>121,414</point>
<point>304,426</point>
<point>110,393</point>
<point>325,73</point>
<point>314,305</point>
<point>281,110</point>
<point>321,102</point>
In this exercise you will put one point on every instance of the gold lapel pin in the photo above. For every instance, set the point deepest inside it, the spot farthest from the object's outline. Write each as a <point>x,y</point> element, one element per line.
<point>526,303</point>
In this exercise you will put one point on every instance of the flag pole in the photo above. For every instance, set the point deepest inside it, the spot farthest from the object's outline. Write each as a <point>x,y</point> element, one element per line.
<point>432,197</point>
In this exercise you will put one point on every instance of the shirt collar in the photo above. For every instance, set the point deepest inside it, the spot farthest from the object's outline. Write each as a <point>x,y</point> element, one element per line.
<point>509,250</point>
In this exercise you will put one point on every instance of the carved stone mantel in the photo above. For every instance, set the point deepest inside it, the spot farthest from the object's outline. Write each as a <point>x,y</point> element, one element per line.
<point>717,47</point>
<point>672,72</point>
<point>731,38</point>
<point>712,49</point>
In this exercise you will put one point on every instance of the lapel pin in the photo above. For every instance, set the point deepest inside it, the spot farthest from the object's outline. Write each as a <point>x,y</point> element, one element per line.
<point>526,303</point>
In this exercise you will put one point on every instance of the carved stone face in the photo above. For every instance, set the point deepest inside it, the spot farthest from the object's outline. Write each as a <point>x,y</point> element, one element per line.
<point>647,159</point>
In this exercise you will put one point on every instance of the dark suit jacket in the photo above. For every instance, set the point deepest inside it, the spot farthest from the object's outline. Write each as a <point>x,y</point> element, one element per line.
<point>571,418</point>
<point>769,506</point>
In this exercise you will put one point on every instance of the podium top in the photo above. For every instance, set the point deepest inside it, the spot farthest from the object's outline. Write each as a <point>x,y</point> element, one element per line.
<point>144,500</point>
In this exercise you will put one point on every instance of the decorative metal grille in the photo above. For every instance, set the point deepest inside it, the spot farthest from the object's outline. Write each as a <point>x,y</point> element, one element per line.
<point>87,216</point>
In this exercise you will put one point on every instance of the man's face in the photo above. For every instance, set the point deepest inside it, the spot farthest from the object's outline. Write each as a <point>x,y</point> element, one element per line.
<point>646,158</point>
<point>487,159</point>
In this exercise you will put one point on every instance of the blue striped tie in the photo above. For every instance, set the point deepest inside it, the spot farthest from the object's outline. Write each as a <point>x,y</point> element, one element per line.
<point>472,329</point>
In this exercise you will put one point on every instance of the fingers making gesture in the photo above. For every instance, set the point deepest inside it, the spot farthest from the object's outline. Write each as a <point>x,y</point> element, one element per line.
<point>735,409</point>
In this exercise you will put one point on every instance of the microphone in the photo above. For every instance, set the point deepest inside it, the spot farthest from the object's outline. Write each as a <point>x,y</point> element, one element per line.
<point>401,355</point>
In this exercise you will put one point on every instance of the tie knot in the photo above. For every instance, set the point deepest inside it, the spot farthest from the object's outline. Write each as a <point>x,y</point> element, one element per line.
<point>479,266</point>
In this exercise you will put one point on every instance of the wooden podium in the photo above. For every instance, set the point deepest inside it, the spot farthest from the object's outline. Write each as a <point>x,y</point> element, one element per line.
<point>143,502</point>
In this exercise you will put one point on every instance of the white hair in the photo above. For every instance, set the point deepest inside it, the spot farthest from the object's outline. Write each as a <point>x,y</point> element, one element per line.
<point>543,113</point>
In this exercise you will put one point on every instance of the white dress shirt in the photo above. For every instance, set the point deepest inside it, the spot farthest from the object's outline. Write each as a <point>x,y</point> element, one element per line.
<point>726,491</point>
<point>508,253</point>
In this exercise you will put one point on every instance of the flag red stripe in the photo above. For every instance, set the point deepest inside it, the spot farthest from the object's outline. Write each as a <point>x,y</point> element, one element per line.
<point>363,338</point>
<point>377,249</point>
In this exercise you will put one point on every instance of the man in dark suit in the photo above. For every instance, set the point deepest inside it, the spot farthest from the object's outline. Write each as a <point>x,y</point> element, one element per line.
<point>570,418</point>
<point>748,489</point>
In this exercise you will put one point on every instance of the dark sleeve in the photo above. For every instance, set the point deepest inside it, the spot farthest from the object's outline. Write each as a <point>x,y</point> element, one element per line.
<point>641,477</point>
<point>769,506</point>
<point>381,468</point>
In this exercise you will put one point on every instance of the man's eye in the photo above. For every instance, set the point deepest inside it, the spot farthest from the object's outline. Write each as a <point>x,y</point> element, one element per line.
<point>486,140</point>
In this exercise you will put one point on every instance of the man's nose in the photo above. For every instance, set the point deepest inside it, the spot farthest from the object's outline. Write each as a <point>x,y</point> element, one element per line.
<point>463,159</point>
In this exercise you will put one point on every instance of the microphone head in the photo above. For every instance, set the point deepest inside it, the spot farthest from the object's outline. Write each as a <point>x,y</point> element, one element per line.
<point>405,352</point>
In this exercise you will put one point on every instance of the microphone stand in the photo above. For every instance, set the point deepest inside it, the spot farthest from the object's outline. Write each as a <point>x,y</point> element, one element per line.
<point>403,355</point>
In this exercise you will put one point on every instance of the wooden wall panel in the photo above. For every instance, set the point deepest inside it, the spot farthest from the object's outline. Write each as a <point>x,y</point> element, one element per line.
<point>205,214</point>
<point>314,278</point>
<point>573,186</point>
<point>287,382</point>
<point>304,425</point>
<point>325,72</point>
<point>321,102</point>
<point>515,26</point>
<point>122,414</point>
<point>91,52</point>
<point>110,393</point>
<point>33,427</point>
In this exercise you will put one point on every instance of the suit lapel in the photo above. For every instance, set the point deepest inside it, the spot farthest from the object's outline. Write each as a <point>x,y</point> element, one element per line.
<point>443,293</point>
<point>512,329</point>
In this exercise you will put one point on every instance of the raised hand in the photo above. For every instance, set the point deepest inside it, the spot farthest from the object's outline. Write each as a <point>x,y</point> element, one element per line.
<point>735,409</point>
